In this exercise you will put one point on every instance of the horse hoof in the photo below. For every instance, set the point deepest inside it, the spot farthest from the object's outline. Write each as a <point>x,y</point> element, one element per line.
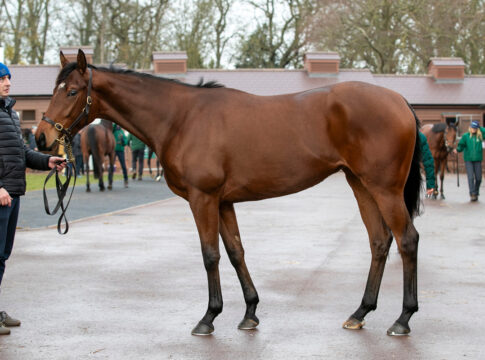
<point>248,324</point>
<point>88,190</point>
<point>110,187</point>
<point>203,329</point>
<point>353,324</point>
<point>442,197</point>
<point>101,189</point>
<point>398,330</point>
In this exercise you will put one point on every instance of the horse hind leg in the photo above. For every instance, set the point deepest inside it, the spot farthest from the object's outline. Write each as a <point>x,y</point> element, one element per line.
<point>380,239</point>
<point>86,161</point>
<point>232,241</point>
<point>397,217</point>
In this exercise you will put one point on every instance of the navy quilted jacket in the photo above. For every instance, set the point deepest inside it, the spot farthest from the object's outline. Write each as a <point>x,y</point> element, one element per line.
<point>15,156</point>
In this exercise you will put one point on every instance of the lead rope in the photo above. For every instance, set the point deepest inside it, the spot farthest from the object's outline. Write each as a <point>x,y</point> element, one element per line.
<point>61,187</point>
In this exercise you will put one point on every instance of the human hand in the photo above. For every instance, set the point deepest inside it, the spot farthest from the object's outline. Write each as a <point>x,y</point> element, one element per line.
<point>454,151</point>
<point>429,192</point>
<point>58,162</point>
<point>5,198</point>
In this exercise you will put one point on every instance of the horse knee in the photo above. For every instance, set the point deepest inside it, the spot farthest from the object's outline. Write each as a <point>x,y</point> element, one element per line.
<point>380,247</point>
<point>211,258</point>
<point>236,256</point>
<point>409,243</point>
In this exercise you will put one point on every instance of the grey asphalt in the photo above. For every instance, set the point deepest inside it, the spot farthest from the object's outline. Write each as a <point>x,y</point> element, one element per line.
<point>84,205</point>
<point>131,284</point>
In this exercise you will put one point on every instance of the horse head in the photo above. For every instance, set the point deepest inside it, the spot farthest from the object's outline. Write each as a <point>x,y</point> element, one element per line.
<point>68,109</point>
<point>450,135</point>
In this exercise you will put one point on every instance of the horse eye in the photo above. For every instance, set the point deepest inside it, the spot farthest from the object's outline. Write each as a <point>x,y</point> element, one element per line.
<point>72,93</point>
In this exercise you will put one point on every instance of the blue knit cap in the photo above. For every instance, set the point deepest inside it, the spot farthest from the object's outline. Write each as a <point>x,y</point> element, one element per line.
<point>4,71</point>
<point>475,124</point>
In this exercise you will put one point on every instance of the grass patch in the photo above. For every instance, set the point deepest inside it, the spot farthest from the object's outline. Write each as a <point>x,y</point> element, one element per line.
<point>35,181</point>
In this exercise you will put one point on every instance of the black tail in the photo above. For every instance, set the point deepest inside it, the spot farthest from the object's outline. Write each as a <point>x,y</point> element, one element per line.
<point>94,150</point>
<point>412,189</point>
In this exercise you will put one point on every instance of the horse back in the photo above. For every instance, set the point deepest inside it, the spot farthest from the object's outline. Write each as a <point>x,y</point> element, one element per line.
<point>257,147</point>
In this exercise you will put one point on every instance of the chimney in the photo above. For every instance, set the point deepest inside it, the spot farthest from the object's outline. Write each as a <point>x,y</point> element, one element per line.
<point>171,64</point>
<point>447,70</point>
<point>321,64</point>
<point>71,53</point>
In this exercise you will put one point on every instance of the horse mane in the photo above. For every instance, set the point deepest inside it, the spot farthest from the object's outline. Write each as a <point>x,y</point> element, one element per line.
<point>66,70</point>
<point>439,127</point>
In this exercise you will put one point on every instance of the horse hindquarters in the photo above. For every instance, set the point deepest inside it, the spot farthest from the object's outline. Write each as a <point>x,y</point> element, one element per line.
<point>383,209</point>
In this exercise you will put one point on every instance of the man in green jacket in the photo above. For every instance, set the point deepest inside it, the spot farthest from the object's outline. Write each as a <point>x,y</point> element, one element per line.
<point>137,155</point>
<point>471,145</point>
<point>120,141</point>
<point>428,164</point>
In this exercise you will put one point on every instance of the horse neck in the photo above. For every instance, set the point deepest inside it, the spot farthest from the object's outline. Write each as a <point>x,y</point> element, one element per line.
<point>147,108</point>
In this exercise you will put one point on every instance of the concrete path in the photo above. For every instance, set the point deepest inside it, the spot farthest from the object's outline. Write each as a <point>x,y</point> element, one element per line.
<point>131,285</point>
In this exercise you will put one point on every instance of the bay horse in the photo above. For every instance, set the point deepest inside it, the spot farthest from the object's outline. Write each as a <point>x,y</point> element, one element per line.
<point>441,140</point>
<point>98,141</point>
<point>220,146</point>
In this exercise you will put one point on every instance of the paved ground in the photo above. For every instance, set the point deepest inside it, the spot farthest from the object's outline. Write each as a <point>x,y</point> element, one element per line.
<point>83,205</point>
<point>131,285</point>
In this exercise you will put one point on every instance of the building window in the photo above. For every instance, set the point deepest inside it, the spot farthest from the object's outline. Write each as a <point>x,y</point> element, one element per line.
<point>28,115</point>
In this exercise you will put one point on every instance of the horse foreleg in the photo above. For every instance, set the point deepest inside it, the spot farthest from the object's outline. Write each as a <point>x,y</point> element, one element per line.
<point>86,161</point>
<point>205,209</point>
<point>396,216</point>
<point>436,171</point>
<point>380,239</point>
<point>111,170</point>
<point>442,177</point>
<point>232,241</point>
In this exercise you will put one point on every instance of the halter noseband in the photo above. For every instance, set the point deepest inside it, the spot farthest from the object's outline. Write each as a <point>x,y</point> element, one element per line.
<point>65,137</point>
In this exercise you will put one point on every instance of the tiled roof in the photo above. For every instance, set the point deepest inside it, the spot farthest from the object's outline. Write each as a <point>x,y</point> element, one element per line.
<point>425,90</point>
<point>31,80</point>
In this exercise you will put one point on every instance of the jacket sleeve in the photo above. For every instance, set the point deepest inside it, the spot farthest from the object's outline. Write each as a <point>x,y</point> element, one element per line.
<point>36,160</point>
<point>461,145</point>
<point>428,163</point>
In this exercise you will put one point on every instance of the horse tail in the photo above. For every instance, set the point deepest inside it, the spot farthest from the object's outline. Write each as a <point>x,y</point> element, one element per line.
<point>94,150</point>
<point>412,189</point>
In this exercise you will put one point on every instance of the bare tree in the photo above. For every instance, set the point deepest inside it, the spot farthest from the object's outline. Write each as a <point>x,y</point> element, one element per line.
<point>220,25</point>
<point>277,41</point>
<point>14,14</point>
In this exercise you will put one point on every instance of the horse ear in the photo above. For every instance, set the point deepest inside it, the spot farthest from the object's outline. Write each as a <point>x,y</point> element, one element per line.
<point>64,61</point>
<point>81,61</point>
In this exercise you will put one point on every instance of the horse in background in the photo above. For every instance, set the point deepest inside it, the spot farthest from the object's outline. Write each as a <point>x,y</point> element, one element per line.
<point>98,140</point>
<point>441,140</point>
<point>159,173</point>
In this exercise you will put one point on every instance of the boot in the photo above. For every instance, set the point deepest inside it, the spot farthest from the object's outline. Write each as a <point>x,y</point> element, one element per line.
<point>6,320</point>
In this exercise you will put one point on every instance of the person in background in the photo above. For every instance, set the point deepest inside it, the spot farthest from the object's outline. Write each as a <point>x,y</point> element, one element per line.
<point>471,145</point>
<point>428,164</point>
<point>120,141</point>
<point>138,155</point>
<point>15,156</point>
<point>78,154</point>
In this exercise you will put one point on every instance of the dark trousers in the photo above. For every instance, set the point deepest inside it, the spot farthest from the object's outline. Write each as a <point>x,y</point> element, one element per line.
<point>121,157</point>
<point>8,224</point>
<point>79,164</point>
<point>138,156</point>
<point>474,174</point>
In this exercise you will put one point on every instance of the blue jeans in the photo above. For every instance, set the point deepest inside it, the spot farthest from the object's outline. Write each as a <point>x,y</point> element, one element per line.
<point>121,158</point>
<point>474,174</point>
<point>8,225</point>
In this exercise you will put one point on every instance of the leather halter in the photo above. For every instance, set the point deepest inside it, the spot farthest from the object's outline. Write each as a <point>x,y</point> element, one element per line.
<point>65,139</point>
